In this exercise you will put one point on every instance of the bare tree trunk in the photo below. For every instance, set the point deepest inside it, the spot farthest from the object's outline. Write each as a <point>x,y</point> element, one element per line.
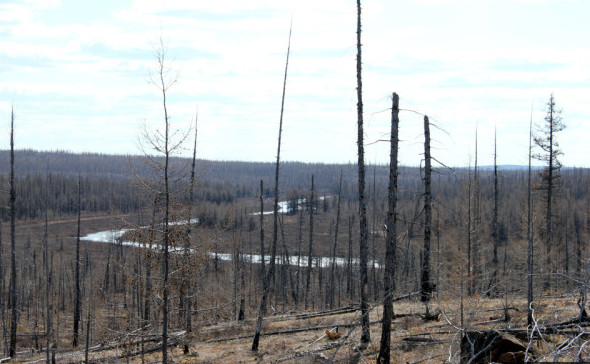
<point>374,286</point>
<point>578,235</point>
<point>188,325</point>
<point>47,279</point>
<point>88,319</point>
<point>166,215</point>
<point>529,232</point>
<point>476,224</point>
<point>426,286</point>
<point>469,235</point>
<point>333,266</point>
<point>299,243</point>
<point>364,250</point>
<point>267,279</point>
<point>78,293</point>
<point>389,277</point>
<point>310,247</point>
<point>495,232</point>
<point>349,282</point>
<point>13,301</point>
<point>265,283</point>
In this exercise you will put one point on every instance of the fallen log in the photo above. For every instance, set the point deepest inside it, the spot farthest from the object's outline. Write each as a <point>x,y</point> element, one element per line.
<point>418,339</point>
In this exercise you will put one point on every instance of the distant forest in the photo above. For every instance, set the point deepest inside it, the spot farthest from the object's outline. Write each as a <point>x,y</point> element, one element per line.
<point>108,186</point>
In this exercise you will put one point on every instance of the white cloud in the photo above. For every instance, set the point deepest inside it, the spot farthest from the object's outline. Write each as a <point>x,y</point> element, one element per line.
<point>231,62</point>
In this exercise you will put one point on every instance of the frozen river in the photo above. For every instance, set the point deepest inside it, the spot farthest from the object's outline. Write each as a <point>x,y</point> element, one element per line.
<point>114,237</point>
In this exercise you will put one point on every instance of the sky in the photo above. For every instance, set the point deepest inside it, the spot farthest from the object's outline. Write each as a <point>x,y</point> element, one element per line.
<point>78,76</point>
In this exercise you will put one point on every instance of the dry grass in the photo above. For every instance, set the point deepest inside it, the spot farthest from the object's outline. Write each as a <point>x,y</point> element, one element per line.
<point>229,342</point>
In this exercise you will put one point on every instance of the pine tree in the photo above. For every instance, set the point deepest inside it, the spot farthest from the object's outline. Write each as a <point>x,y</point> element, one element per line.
<point>546,140</point>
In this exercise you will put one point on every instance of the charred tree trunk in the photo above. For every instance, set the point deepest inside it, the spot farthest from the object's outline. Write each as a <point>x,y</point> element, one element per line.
<point>363,247</point>
<point>310,246</point>
<point>188,325</point>
<point>476,225</point>
<point>333,267</point>
<point>530,231</point>
<point>269,276</point>
<point>13,301</point>
<point>78,293</point>
<point>299,244</point>
<point>495,232</point>
<point>426,286</point>
<point>389,277</point>
<point>47,280</point>
<point>349,282</point>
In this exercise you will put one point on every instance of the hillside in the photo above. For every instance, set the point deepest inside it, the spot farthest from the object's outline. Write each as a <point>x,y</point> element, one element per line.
<point>219,280</point>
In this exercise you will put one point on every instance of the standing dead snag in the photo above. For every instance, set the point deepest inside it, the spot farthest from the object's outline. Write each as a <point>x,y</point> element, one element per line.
<point>333,265</point>
<point>266,278</point>
<point>185,296</point>
<point>426,286</point>
<point>529,232</point>
<point>13,301</point>
<point>495,230</point>
<point>310,246</point>
<point>391,239</point>
<point>476,226</point>
<point>47,276</point>
<point>364,250</point>
<point>78,297</point>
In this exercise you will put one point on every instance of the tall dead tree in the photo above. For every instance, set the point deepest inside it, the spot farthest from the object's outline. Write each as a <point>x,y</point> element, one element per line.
<point>426,286</point>
<point>187,301</point>
<point>333,265</point>
<point>476,224</point>
<point>363,247</point>
<point>391,238</point>
<point>547,142</point>
<point>529,231</point>
<point>13,301</point>
<point>47,276</point>
<point>495,231</point>
<point>268,277</point>
<point>311,203</point>
<point>78,291</point>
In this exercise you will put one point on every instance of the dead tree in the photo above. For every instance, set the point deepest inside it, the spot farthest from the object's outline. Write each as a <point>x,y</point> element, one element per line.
<point>391,238</point>
<point>268,277</point>
<point>13,301</point>
<point>186,300</point>
<point>363,247</point>
<point>333,266</point>
<point>476,225</point>
<point>529,232</point>
<point>78,292</point>
<point>495,231</point>
<point>310,246</point>
<point>47,278</point>
<point>426,286</point>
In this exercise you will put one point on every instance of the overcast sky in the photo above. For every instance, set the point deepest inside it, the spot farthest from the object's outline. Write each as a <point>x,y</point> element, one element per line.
<point>77,73</point>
